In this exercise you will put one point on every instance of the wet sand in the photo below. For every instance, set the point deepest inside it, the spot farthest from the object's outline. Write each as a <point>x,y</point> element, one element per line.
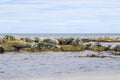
<point>81,76</point>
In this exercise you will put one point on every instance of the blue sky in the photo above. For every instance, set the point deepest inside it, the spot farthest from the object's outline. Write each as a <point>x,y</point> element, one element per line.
<point>60,16</point>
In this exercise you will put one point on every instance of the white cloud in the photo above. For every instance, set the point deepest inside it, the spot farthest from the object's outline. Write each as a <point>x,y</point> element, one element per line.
<point>60,13</point>
<point>66,2</point>
<point>84,21</point>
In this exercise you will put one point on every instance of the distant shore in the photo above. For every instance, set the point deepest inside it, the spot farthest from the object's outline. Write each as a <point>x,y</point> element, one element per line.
<point>10,43</point>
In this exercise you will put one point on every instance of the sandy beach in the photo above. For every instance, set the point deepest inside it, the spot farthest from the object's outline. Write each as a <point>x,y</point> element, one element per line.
<point>81,76</point>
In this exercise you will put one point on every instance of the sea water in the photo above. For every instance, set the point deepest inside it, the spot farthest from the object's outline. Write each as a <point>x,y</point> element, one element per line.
<point>58,35</point>
<point>21,64</point>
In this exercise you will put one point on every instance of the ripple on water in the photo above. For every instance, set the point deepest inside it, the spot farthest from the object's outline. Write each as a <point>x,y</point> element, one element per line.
<point>52,63</point>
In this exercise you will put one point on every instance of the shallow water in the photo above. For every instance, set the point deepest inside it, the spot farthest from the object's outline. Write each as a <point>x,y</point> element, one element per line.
<point>54,63</point>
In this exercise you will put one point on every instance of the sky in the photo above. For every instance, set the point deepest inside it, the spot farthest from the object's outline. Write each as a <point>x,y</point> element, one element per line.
<point>59,16</point>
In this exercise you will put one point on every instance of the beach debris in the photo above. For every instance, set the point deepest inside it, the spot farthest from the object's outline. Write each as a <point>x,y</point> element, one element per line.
<point>96,55</point>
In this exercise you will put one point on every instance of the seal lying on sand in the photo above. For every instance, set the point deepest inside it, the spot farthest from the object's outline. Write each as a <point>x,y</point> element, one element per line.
<point>2,50</point>
<point>20,46</point>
